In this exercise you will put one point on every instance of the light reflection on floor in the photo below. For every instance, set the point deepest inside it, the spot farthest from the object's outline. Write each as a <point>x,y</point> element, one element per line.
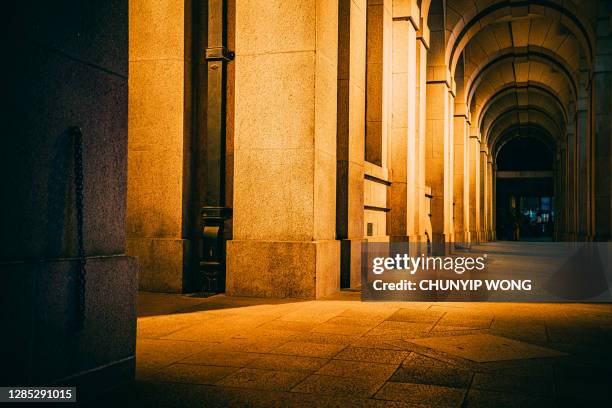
<point>221,351</point>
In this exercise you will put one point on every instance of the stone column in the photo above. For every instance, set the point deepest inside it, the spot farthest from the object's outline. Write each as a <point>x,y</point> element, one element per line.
<point>583,174</point>
<point>474,175</point>
<point>570,185</point>
<point>159,142</point>
<point>435,155</point>
<point>490,200</point>
<point>449,168</point>
<point>402,220</point>
<point>68,68</point>
<point>285,151</point>
<point>484,190</point>
<point>602,126</point>
<point>378,118</point>
<point>461,160</point>
<point>461,188</point>
<point>561,194</point>
<point>351,133</point>
<point>424,223</point>
<point>438,146</point>
<point>379,77</point>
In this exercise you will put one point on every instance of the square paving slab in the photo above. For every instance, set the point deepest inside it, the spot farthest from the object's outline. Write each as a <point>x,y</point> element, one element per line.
<point>483,348</point>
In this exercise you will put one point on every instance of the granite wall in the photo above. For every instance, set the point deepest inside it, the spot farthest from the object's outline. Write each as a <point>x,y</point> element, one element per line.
<point>67,66</point>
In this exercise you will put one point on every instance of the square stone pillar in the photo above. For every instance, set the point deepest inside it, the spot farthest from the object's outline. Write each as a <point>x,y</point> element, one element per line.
<point>158,146</point>
<point>379,80</point>
<point>438,160</point>
<point>285,151</point>
<point>68,68</point>
<point>461,179</point>
<point>561,194</point>
<point>351,135</point>
<point>602,131</point>
<point>378,117</point>
<point>602,127</point>
<point>404,160</point>
<point>570,175</point>
<point>490,200</point>
<point>436,157</point>
<point>484,191</point>
<point>424,223</point>
<point>474,174</point>
<point>584,171</point>
<point>449,177</point>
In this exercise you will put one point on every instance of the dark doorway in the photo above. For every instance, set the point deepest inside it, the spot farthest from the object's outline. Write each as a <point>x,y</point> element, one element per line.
<point>525,190</point>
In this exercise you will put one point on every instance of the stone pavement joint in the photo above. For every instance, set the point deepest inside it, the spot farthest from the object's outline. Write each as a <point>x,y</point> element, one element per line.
<point>222,351</point>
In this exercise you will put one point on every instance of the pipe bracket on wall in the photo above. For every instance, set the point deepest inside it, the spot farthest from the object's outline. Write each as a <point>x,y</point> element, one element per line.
<point>218,53</point>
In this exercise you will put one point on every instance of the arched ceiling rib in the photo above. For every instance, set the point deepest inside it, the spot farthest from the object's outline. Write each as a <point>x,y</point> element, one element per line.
<point>538,34</point>
<point>522,61</point>
<point>521,99</point>
<point>519,118</point>
<point>511,74</point>
<point>519,72</point>
<point>465,19</point>
<point>500,42</point>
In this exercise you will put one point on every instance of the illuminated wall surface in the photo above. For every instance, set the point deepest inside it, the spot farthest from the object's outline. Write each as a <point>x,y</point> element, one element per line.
<point>273,150</point>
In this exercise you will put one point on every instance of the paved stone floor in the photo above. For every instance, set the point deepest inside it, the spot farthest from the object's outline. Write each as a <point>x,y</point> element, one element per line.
<point>221,351</point>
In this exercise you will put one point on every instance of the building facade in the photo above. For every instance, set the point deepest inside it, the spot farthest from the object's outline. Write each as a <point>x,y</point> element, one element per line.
<point>351,121</point>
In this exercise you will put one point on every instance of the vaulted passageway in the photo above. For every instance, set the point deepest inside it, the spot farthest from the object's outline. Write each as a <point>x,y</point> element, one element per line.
<point>367,121</point>
<point>255,148</point>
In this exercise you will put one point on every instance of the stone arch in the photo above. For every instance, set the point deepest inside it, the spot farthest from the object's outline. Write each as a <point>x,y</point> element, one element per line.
<point>527,118</point>
<point>508,73</point>
<point>531,54</point>
<point>518,92</point>
<point>478,105</point>
<point>472,20</point>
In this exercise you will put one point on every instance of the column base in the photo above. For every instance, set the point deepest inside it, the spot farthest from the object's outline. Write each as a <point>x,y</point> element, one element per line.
<point>474,237</point>
<point>283,269</point>
<point>467,238</point>
<point>163,262</point>
<point>45,348</point>
<point>462,239</point>
<point>417,244</point>
<point>440,246</point>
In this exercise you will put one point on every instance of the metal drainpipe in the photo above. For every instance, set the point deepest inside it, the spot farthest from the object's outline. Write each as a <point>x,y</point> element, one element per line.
<point>214,211</point>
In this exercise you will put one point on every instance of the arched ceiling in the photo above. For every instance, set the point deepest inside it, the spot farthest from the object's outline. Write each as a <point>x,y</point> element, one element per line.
<point>520,99</point>
<point>521,118</point>
<point>537,39</point>
<point>515,63</point>
<point>517,74</point>
<point>466,18</point>
<point>536,32</point>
